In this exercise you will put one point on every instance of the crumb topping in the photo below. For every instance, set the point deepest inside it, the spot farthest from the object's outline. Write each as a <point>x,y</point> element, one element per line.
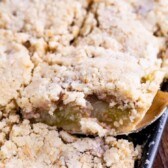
<point>93,64</point>
<point>76,63</point>
<point>39,145</point>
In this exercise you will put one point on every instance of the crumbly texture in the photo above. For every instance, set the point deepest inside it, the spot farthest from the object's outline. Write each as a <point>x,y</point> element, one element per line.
<point>88,77</point>
<point>96,66</point>
<point>154,16</point>
<point>153,13</point>
<point>113,25</point>
<point>15,69</point>
<point>58,22</point>
<point>86,66</point>
<point>39,145</point>
<point>74,78</point>
<point>50,25</point>
<point>6,123</point>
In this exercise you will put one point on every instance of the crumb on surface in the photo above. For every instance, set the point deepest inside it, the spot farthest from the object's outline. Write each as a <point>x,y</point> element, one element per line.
<point>75,52</point>
<point>39,145</point>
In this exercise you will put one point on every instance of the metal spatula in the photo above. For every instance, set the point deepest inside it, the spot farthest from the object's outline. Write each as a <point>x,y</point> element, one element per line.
<point>158,107</point>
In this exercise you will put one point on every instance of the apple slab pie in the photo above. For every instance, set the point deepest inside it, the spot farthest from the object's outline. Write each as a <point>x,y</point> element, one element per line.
<point>89,67</point>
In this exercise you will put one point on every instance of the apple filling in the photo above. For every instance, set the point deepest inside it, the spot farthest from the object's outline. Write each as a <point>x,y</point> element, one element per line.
<point>69,116</point>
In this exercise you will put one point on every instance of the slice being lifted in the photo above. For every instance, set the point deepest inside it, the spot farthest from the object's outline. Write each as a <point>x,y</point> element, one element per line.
<point>104,82</point>
<point>93,89</point>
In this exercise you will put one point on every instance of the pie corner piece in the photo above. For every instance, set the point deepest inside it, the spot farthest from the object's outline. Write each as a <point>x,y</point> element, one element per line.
<point>105,81</point>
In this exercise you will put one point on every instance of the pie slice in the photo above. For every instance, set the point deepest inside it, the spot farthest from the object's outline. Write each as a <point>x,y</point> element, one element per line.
<point>102,82</point>
<point>91,85</point>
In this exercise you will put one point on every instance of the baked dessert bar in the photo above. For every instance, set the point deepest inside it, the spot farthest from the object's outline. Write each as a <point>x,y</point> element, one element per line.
<point>81,66</point>
<point>89,91</point>
<point>99,83</point>
<point>105,81</point>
